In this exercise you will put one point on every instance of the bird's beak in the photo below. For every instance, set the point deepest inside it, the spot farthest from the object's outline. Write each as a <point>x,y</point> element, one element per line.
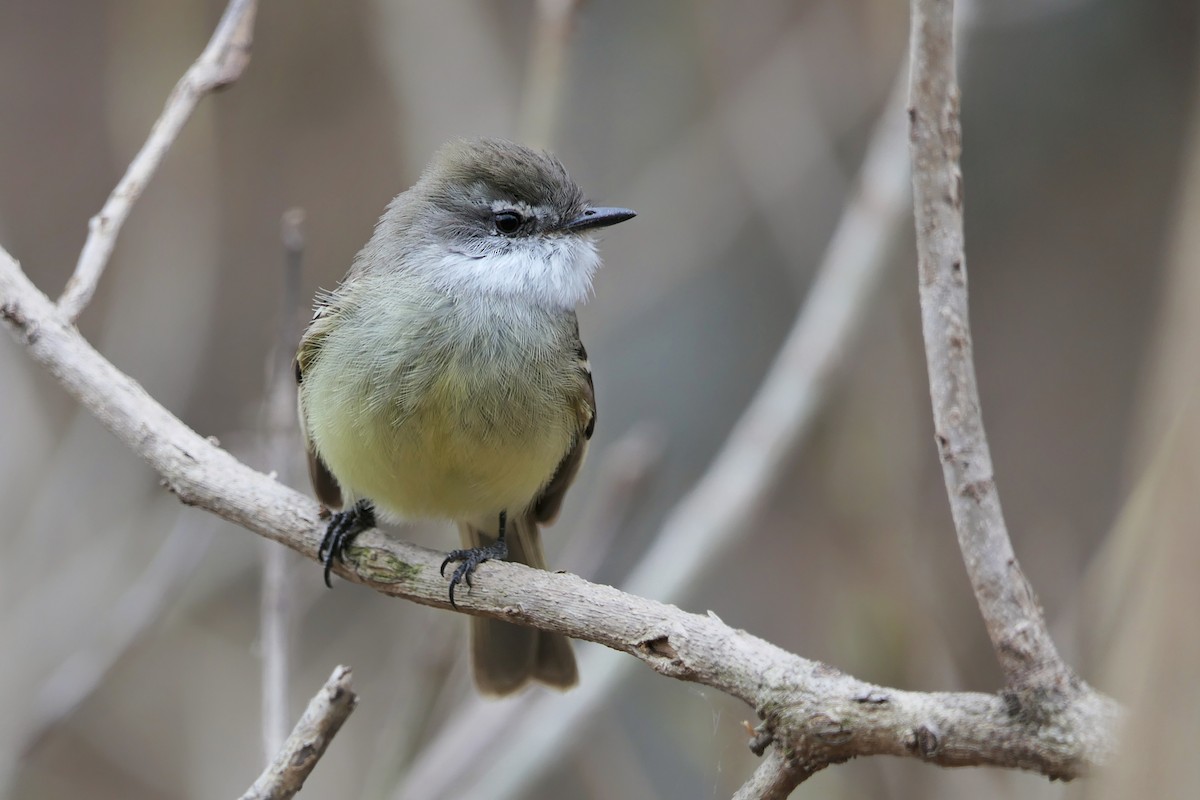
<point>599,218</point>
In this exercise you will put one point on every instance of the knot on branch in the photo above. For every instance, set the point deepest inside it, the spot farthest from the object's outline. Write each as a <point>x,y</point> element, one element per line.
<point>1042,703</point>
<point>762,739</point>
<point>660,648</point>
<point>828,729</point>
<point>11,313</point>
<point>874,697</point>
<point>303,756</point>
<point>925,741</point>
<point>977,490</point>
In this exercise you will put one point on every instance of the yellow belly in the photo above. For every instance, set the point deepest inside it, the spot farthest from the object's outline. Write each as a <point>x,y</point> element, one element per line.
<point>430,467</point>
<point>470,445</point>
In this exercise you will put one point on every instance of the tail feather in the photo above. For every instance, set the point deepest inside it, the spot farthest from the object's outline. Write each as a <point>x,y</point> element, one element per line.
<point>505,656</point>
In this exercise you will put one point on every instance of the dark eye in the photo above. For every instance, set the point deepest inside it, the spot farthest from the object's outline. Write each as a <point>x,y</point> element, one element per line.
<point>508,222</point>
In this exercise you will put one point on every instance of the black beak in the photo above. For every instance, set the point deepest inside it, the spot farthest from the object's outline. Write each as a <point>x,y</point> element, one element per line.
<point>599,218</point>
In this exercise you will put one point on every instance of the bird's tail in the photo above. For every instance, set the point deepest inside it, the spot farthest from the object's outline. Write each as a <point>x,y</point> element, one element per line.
<point>505,656</point>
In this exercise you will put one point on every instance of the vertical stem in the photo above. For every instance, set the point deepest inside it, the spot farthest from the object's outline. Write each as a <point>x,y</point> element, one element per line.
<point>275,609</point>
<point>275,616</point>
<point>1010,609</point>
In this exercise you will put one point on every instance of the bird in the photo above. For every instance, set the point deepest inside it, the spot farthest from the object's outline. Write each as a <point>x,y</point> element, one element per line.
<point>444,377</point>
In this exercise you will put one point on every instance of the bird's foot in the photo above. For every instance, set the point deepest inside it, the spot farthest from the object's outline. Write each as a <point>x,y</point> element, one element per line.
<point>472,558</point>
<point>343,527</point>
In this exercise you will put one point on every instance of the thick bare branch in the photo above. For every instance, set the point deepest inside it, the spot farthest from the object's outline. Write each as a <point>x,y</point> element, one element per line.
<point>819,714</point>
<point>321,721</point>
<point>1010,608</point>
<point>221,63</point>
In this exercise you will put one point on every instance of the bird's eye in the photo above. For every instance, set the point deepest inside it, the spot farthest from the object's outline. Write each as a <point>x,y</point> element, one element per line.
<point>508,222</point>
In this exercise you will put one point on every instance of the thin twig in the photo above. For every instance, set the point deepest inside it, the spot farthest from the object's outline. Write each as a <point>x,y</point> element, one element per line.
<point>818,713</point>
<point>280,422</point>
<point>1010,609</point>
<point>221,63</point>
<point>303,749</point>
<point>774,779</point>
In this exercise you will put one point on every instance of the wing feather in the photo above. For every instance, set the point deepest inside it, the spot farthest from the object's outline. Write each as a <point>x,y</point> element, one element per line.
<point>548,504</point>
<point>324,484</point>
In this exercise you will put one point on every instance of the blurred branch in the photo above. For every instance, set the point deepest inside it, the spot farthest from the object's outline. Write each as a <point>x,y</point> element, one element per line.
<point>1043,689</point>
<point>622,476</point>
<point>821,715</point>
<point>221,63</point>
<point>303,749</point>
<point>546,71</point>
<point>616,764</point>
<point>140,606</point>
<point>774,779</point>
<point>1141,590</point>
<point>275,612</point>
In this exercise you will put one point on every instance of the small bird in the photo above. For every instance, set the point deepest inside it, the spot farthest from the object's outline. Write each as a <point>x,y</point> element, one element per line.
<point>444,378</point>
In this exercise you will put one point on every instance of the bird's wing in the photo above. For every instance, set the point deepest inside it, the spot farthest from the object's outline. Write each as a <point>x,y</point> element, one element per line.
<point>324,484</point>
<point>547,506</point>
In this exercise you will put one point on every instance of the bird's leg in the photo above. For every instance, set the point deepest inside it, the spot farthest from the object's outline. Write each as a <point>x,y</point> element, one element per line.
<point>343,527</point>
<point>473,557</point>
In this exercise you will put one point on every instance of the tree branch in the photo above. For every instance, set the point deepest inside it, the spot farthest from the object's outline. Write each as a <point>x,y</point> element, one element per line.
<point>321,721</point>
<point>1010,608</point>
<point>819,714</point>
<point>1042,689</point>
<point>221,63</point>
<point>774,779</point>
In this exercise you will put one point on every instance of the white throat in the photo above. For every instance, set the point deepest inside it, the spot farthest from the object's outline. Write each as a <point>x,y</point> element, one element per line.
<point>553,271</point>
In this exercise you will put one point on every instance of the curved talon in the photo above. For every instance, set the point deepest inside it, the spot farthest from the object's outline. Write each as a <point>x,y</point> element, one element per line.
<point>343,527</point>
<point>471,559</point>
<point>328,562</point>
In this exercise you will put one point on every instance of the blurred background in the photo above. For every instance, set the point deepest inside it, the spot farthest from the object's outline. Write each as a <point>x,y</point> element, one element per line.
<point>130,645</point>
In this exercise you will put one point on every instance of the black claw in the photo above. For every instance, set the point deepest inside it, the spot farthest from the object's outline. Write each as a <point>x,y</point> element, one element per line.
<point>342,529</point>
<point>472,558</point>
